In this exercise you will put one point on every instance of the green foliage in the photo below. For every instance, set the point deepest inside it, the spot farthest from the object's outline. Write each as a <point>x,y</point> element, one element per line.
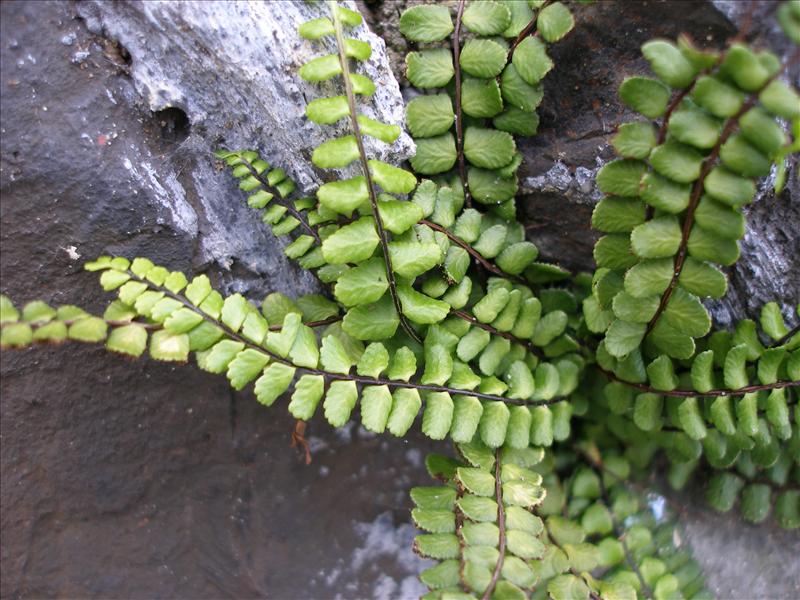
<point>559,391</point>
<point>494,74</point>
<point>512,522</point>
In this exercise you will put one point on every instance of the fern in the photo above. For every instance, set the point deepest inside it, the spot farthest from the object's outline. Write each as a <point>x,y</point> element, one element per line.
<point>675,209</point>
<point>492,78</point>
<point>560,392</point>
<point>505,524</point>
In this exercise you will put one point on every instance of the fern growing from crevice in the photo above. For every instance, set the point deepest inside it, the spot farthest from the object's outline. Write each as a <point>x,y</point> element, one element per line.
<point>560,392</point>
<point>489,78</point>
<point>511,523</point>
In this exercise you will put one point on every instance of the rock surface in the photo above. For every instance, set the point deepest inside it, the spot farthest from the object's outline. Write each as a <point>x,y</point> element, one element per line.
<point>141,479</point>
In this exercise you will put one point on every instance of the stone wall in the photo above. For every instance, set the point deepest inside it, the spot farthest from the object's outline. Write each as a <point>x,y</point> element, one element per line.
<point>139,479</point>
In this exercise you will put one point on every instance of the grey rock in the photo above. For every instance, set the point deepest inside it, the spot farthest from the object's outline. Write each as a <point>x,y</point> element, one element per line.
<point>231,68</point>
<point>143,480</point>
<point>573,143</point>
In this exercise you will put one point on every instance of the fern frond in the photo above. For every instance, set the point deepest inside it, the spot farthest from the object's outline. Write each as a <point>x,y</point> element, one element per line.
<point>682,185</point>
<point>308,339</point>
<point>510,523</point>
<point>490,80</point>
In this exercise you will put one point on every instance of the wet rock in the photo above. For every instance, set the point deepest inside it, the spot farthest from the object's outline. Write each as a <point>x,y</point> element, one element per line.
<point>142,479</point>
<point>581,111</point>
<point>139,479</point>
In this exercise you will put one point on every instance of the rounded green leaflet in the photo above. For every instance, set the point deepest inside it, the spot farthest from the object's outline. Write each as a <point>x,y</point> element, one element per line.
<point>420,308</point>
<point>429,68</point>
<point>321,68</point>
<point>339,402</point>
<point>634,140</point>
<point>488,148</point>
<point>275,381</point>
<point>669,63</point>
<point>489,188</point>
<point>435,154</point>
<point>691,420</point>
<point>307,394</point>
<point>743,158</point>
<point>723,488</point>
<point>554,22</point>
<point>380,131</point>
<point>531,60</point>
<point>517,92</point>
<point>344,196</point>
<point>647,411</point>
<point>623,337</point>
<point>482,58</point>
<point>621,177</point>
<point>677,162</point>
<point>438,415</point>
<point>399,216</point>
<point>671,342</point>
<point>645,95</point>
<point>706,245</point>
<point>516,121</point>
<point>219,357</point>
<point>467,411</point>
<point>657,238</point>
<point>514,258</point>
<point>725,186</point>
<point>567,587</point>
<point>376,404</point>
<point>695,127</point>
<point>373,361</point>
<point>405,406</point>
<point>333,355</point>
<point>519,427</point>
<point>390,178</point>
<point>756,502</point>
<point>128,339</point>
<point>743,66</point>
<point>761,130</point>
<point>444,575</point>
<point>427,23</point>
<point>352,243</point>
<point>548,381</point>
<point>375,321</point>
<point>486,18</point>
<point>316,28</point>
<point>617,215</point>
<point>358,49</point>
<point>520,381</point>
<point>429,116</point>
<point>720,218</point>
<point>665,194</point>
<point>717,97</point>
<point>411,259</point>
<point>702,279</point>
<point>614,252</point>
<point>480,98</point>
<point>336,153</point>
<point>549,327</point>
<point>493,425</point>
<point>605,285</point>
<point>635,310</point>
<point>163,345</point>
<point>772,321</point>
<point>781,100</point>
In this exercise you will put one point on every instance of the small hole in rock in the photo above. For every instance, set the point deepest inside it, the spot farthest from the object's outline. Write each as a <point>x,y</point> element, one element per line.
<point>174,124</point>
<point>124,54</point>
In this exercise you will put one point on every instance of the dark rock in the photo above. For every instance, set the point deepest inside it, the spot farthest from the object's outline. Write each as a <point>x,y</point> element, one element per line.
<point>140,479</point>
